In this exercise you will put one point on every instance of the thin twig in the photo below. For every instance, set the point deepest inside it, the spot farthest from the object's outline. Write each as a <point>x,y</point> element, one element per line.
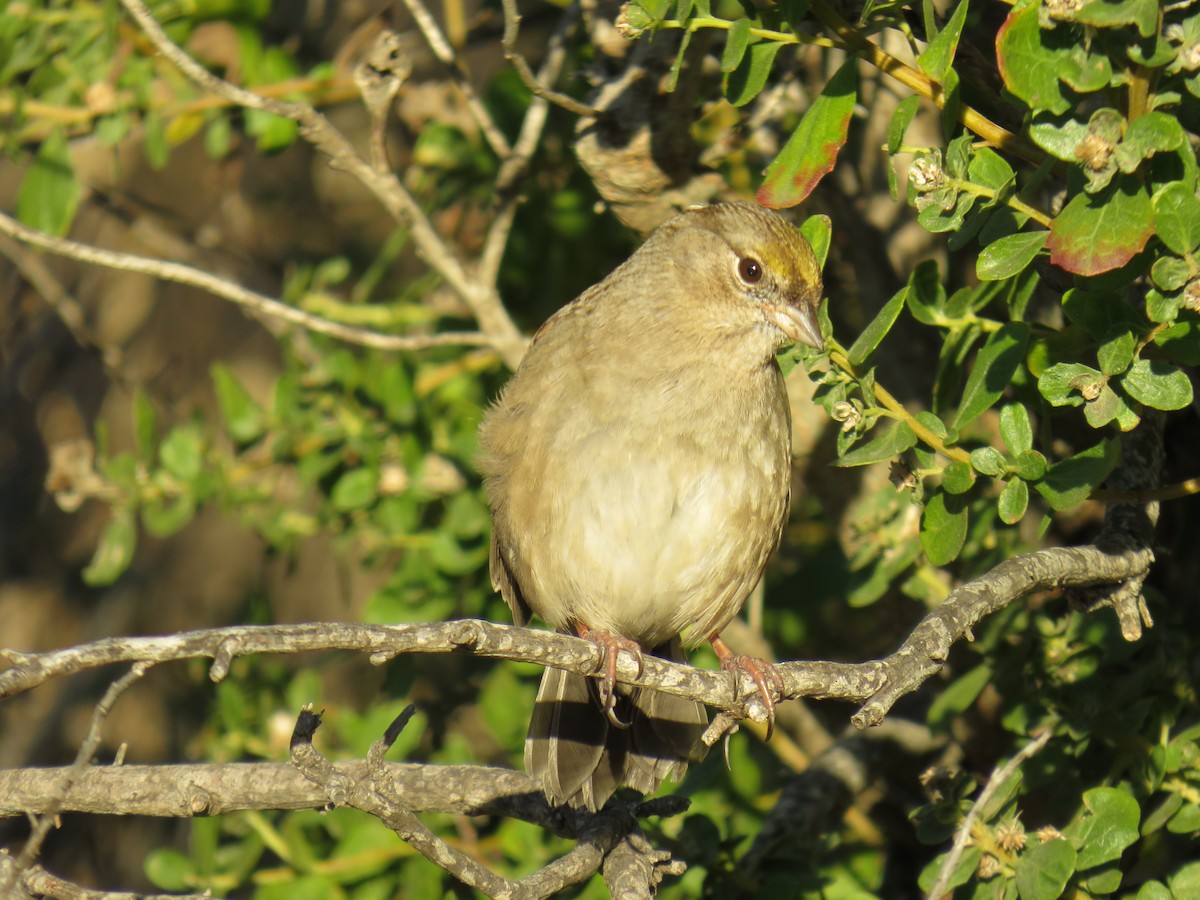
<point>454,66</point>
<point>482,299</point>
<point>512,29</point>
<point>83,759</point>
<point>257,303</point>
<point>516,166</point>
<point>999,777</point>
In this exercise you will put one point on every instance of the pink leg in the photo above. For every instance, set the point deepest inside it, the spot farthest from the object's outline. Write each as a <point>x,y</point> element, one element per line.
<point>611,645</point>
<point>758,669</point>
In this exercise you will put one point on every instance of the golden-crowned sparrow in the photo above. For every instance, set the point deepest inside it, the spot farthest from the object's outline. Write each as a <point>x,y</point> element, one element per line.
<point>637,466</point>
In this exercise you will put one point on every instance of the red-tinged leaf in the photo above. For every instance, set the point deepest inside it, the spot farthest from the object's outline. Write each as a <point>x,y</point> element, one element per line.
<point>813,147</point>
<point>1099,232</point>
<point>1028,58</point>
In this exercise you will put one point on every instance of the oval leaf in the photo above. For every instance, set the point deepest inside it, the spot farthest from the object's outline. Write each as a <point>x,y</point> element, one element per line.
<point>1099,232</point>
<point>875,332</point>
<point>995,365</point>
<point>1158,384</point>
<point>1009,255</point>
<point>1177,218</point>
<point>1013,500</point>
<point>813,147</point>
<point>943,528</point>
<point>888,445</point>
<point>746,81</point>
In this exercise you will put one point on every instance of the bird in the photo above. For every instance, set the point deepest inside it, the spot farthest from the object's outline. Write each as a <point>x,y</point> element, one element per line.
<point>638,470</point>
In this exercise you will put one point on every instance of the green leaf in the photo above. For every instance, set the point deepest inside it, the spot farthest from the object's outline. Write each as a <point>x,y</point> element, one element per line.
<point>1158,384</point>
<point>1177,218</point>
<point>182,452</point>
<point>1110,825</point>
<point>958,478</point>
<point>1085,71</point>
<point>115,550</point>
<point>1170,273</point>
<point>957,698</point>
<point>1013,501</point>
<point>988,461</point>
<point>1153,132</point>
<point>166,516</point>
<point>926,296</point>
<point>1068,483</point>
<point>943,528</point>
<point>888,445</point>
<point>878,328</point>
<point>145,425</point>
<point>736,43</point>
<point>906,109</point>
<point>243,417</point>
<point>1029,464</point>
<point>1186,820</point>
<point>935,60</point>
<point>169,869</point>
<point>813,147</point>
<point>1028,66</point>
<point>746,81</point>
<point>677,66</point>
<point>995,365</point>
<point>1116,354</point>
<point>49,194</point>
<point>1107,13</point>
<point>1016,428</point>
<point>1185,882</point>
<point>1063,383</point>
<point>1099,232</point>
<point>1009,255</point>
<point>818,231</point>
<point>1153,890</point>
<point>356,489</point>
<point>1043,870</point>
<point>1058,136</point>
<point>1181,342</point>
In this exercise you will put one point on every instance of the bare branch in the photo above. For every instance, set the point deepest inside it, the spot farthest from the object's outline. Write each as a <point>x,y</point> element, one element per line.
<point>375,796</point>
<point>999,777</point>
<point>447,57</point>
<point>512,29</point>
<point>258,304</point>
<point>516,166</point>
<point>37,882</point>
<point>927,647</point>
<point>879,683</point>
<point>210,789</point>
<point>484,302</point>
<point>83,759</point>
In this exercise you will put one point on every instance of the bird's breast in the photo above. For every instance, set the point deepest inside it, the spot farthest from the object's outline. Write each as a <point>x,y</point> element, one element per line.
<point>651,515</point>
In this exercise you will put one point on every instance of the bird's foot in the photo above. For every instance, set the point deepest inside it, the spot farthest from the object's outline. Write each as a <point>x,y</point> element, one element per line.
<point>611,646</point>
<point>764,674</point>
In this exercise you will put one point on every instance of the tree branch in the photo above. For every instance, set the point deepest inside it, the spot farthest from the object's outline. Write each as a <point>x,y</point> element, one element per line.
<point>483,300</point>
<point>877,684</point>
<point>258,304</point>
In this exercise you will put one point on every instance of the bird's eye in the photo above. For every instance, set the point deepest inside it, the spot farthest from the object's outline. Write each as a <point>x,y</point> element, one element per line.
<point>750,270</point>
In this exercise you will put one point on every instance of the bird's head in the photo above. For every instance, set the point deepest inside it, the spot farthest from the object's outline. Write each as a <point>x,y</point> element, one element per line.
<point>745,266</point>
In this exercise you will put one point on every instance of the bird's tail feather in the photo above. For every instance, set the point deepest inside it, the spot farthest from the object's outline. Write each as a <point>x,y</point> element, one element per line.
<point>580,758</point>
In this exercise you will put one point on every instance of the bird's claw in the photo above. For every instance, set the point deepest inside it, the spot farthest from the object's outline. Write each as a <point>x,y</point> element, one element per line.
<point>610,646</point>
<point>759,670</point>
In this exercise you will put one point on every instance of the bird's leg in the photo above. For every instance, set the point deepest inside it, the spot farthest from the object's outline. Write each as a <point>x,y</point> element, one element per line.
<point>611,645</point>
<point>758,669</point>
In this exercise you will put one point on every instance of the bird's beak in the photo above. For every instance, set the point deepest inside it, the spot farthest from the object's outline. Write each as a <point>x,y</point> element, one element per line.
<point>800,324</point>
